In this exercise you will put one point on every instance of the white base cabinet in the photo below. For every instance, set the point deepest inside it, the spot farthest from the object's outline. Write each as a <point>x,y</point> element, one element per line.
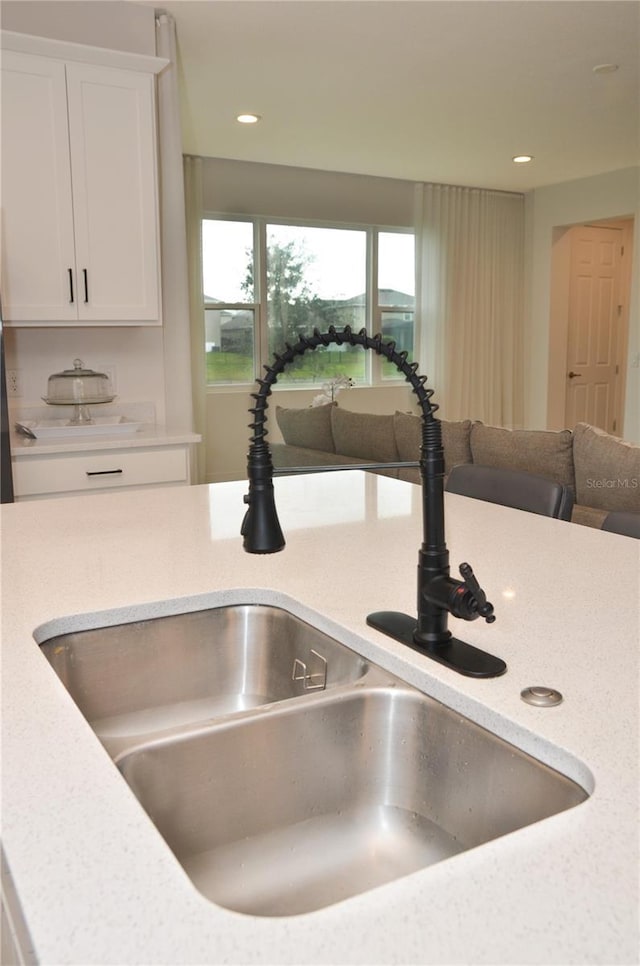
<point>79,192</point>
<point>99,471</point>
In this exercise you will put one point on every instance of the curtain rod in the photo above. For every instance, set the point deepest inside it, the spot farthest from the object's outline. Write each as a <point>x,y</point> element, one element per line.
<point>489,191</point>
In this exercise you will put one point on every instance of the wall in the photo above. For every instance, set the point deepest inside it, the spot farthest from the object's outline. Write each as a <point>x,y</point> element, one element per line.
<point>137,353</point>
<point>134,355</point>
<point>272,190</point>
<point>548,211</point>
<point>102,23</point>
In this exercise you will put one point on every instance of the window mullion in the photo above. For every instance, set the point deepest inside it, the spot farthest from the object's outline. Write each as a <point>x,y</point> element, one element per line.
<point>262,327</point>
<point>373,309</point>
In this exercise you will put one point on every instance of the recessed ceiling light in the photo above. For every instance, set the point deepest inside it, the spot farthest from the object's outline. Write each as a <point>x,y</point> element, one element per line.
<point>248,118</point>
<point>605,68</point>
<point>522,158</point>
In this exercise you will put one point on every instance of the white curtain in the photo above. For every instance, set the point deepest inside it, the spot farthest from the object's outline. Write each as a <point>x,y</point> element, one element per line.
<point>469,300</point>
<point>193,207</point>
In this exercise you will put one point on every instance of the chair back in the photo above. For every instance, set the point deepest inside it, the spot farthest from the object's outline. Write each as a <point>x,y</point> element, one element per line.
<point>626,522</point>
<point>513,488</point>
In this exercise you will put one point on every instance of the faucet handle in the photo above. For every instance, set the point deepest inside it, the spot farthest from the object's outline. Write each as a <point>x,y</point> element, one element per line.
<point>485,609</point>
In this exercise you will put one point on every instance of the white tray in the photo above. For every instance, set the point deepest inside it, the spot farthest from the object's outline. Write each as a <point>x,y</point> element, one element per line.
<point>101,426</point>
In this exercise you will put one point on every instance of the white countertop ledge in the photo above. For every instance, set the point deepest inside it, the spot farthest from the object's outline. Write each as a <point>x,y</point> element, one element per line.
<point>146,436</point>
<point>95,881</point>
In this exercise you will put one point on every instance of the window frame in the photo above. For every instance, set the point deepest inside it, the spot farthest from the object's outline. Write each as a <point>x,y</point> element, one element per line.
<point>374,311</point>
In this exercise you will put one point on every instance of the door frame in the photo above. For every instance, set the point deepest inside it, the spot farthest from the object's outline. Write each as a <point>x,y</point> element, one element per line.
<point>559,318</point>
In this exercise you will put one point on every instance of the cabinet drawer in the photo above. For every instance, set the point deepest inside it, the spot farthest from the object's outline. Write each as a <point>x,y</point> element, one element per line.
<point>87,472</point>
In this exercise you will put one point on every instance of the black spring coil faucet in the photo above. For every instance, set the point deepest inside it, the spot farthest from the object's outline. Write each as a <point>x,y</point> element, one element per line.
<point>439,594</point>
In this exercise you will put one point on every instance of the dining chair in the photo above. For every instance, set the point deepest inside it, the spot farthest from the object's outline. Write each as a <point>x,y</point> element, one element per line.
<point>513,488</point>
<point>626,522</point>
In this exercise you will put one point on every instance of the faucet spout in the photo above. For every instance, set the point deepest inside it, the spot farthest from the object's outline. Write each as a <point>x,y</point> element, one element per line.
<point>438,593</point>
<point>261,528</point>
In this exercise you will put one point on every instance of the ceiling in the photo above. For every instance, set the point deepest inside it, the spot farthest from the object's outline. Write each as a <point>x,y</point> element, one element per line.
<point>426,90</point>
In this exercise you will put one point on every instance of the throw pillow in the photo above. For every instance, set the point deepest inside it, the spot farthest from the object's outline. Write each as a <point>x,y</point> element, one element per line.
<point>455,439</point>
<point>408,432</point>
<point>543,452</point>
<point>364,435</point>
<point>607,469</point>
<point>308,428</point>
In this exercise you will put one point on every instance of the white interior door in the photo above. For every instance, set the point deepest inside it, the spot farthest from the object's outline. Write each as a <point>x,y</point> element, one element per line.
<point>594,309</point>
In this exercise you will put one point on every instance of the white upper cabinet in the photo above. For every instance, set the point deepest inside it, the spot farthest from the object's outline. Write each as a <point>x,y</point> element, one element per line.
<point>38,259</point>
<point>79,193</point>
<point>113,161</point>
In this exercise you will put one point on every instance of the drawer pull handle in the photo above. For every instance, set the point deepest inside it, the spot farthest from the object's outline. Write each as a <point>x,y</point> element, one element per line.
<point>86,286</point>
<point>70,284</point>
<point>102,472</point>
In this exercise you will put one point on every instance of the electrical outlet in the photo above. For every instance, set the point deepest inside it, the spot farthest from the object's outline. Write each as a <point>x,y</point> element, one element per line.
<point>14,382</point>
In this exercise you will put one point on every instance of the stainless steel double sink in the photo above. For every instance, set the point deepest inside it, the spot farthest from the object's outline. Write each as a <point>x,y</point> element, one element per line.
<point>283,770</point>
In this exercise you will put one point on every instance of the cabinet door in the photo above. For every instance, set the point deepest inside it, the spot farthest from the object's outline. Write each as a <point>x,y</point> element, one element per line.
<point>113,174</point>
<point>37,228</point>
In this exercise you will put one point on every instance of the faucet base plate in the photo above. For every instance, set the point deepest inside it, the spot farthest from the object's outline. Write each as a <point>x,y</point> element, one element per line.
<point>459,656</point>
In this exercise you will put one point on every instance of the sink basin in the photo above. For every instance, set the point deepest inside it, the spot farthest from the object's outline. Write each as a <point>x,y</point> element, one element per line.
<point>284,771</point>
<point>133,681</point>
<point>295,809</point>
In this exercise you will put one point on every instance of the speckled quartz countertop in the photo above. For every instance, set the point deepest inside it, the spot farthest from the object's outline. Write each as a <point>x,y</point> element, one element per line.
<point>97,884</point>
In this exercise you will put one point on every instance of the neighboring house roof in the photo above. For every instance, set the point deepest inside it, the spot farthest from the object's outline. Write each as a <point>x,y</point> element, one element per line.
<point>239,320</point>
<point>386,296</point>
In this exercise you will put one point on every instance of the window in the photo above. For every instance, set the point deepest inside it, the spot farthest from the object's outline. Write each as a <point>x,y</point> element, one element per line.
<point>264,283</point>
<point>396,293</point>
<point>229,301</point>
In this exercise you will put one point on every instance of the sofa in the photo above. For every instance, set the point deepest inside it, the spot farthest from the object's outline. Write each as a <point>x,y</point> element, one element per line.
<point>602,471</point>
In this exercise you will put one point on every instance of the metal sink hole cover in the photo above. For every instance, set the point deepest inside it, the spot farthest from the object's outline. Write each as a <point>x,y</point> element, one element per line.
<point>541,697</point>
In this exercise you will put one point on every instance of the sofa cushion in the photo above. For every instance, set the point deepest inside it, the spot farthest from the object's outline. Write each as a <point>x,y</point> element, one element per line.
<point>364,435</point>
<point>543,452</point>
<point>284,455</point>
<point>607,469</point>
<point>455,439</point>
<point>408,432</point>
<point>588,516</point>
<point>309,428</point>
<point>410,474</point>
